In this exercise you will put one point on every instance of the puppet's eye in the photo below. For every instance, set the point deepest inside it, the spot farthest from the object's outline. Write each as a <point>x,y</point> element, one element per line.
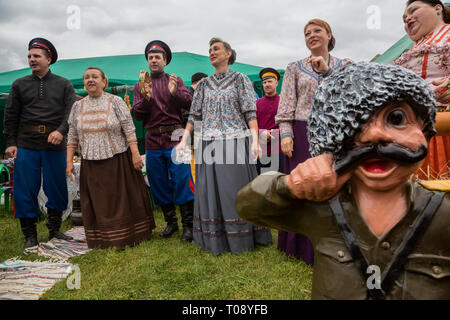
<point>396,118</point>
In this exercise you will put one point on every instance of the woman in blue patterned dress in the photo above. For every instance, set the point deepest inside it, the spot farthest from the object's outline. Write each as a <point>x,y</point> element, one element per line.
<point>226,155</point>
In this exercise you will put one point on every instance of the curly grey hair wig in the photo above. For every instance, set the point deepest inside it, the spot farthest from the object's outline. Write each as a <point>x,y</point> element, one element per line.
<point>347,99</point>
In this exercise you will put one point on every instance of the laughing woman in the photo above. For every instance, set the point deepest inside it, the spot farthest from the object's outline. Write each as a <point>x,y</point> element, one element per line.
<point>114,199</point>
<point>427,24</point>
<point>226,104</point>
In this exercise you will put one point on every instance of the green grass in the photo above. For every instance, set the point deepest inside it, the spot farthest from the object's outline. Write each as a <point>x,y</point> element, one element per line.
<point>170,269</point>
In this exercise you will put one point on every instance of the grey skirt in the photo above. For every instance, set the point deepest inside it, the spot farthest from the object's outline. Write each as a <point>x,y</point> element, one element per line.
<point>222,169</point>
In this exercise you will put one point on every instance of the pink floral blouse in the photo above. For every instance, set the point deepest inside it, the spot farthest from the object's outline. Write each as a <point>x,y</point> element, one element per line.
<point>101,126</point>
<point>430,57</point>
<point>300,83</point>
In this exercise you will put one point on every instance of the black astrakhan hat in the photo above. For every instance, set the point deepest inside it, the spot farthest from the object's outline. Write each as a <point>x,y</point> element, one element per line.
<point>44,44</point>
<point>158,46</point>
<point>267,73</point>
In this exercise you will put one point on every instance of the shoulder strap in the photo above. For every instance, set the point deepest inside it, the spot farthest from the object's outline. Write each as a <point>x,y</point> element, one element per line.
<point>410,240</point>
<point>352,245</point>
<point>401,254</point>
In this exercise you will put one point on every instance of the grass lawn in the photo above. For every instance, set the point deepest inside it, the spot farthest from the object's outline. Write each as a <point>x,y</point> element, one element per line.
<point>170,269</point>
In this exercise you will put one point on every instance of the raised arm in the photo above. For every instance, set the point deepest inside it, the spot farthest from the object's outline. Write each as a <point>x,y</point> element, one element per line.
<point>141,106</point>
<point>182,96</point>
<point>289,202</point>
<point>267,201</point>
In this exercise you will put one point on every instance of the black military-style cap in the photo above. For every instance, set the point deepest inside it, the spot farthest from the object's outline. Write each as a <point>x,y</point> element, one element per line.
<point>158,46</point>
<point>44,44</point>
<point>267,73</point>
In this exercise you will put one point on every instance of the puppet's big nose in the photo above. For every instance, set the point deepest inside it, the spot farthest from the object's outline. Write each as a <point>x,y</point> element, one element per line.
<point>375,134</point>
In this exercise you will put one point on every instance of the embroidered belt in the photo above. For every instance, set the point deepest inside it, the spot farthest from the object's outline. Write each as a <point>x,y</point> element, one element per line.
<point>162,129</point>
<point>39,128</point>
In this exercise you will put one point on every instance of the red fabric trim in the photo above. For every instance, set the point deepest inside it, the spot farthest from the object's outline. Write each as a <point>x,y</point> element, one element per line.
<point>43,45</point>
<point>424,66</point>
<point>156,47</point>
<point>426,38</point>
<point>443,35</point>
<point>436,35</point>
<point>191,185</point>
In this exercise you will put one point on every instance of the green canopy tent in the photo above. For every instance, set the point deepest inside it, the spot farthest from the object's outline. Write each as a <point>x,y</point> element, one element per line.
<point>396,50</point>
<point>123,72</point>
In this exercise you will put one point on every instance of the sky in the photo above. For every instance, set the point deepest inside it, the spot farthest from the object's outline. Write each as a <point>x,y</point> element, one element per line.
<point>267,33</point>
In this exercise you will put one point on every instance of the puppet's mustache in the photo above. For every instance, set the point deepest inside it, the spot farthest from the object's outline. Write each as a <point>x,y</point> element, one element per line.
<point>392,151</point>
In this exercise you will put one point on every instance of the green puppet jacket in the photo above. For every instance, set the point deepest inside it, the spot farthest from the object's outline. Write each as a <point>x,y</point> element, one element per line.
<point>266,201</point>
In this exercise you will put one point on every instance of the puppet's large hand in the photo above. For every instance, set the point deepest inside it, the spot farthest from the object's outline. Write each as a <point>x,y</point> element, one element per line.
<point>315,179</point>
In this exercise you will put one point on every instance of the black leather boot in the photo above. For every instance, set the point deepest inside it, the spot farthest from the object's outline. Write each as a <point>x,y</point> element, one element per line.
<point>187,216</point>
<point>170,216</point>
<point>28,226</point>
<point>54,223</point>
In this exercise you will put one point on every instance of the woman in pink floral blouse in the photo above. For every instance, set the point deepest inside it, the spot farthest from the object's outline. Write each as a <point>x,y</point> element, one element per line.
<point>427,24</point>
<point>114,199</point>
<point>301,80</point>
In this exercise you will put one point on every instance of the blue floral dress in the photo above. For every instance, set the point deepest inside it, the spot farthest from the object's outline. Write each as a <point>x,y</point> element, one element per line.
<point>225,103</point>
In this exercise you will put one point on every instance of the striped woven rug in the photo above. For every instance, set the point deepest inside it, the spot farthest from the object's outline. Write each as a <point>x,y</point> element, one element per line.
<point>61,250</point>
<point>25,280</point>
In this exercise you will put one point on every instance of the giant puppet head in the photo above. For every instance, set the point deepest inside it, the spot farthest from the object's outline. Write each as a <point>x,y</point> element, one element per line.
<point>372,115</point>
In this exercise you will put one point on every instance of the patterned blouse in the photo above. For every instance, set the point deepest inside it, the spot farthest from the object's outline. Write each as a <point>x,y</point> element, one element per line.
<point>101,126</point>
<point>225,103</point>
<point>300,83</point>
<point>429,58</point>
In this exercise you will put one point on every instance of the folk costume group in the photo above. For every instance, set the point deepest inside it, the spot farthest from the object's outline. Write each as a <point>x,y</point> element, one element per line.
<point>237,197</point>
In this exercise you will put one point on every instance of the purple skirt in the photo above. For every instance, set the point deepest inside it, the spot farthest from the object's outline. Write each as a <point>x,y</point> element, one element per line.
<point>295,244</point>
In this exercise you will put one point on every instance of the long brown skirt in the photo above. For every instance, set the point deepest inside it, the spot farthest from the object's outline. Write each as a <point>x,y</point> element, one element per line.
<point>115,203</point>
